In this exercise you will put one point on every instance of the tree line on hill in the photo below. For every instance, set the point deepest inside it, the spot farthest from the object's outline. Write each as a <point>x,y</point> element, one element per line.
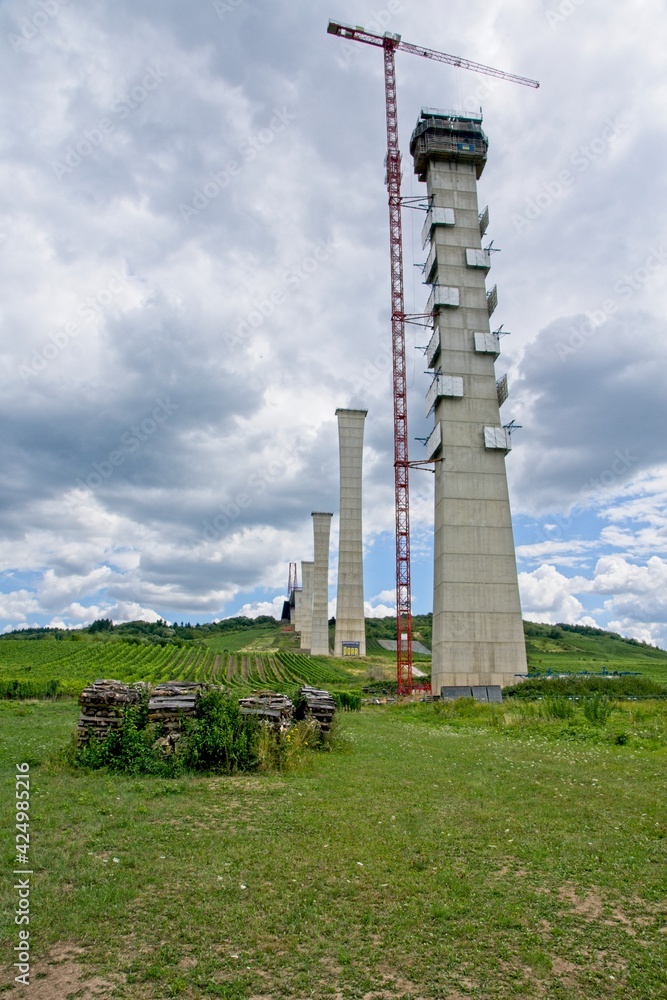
<point>157,633</point>
<point>542,630</point>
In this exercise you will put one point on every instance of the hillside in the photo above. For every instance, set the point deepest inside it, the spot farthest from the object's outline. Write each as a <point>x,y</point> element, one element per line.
<point>246,653</point>
<point>574,648</point>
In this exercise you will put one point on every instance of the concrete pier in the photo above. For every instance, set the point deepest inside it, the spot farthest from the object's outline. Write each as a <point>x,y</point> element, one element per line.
<point>320,618</point>
<point>296,610</point>
<point>350,636</point>
<point>306,605</point>
<point>477,627</point>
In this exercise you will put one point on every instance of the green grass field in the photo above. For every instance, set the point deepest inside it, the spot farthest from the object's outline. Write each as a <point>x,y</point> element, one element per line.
<point>480,852</point>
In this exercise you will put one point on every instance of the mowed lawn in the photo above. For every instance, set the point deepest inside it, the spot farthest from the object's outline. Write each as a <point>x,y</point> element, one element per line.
<point>424,860</point>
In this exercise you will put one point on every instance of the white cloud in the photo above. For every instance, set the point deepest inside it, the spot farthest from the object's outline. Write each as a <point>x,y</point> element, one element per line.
<point>379,610</point>
<point>546,596</point>
<point>653,634</point>
<point>614,575</point>
<point>18,604</point>
<point>565,553</point>
<point>272,608</point>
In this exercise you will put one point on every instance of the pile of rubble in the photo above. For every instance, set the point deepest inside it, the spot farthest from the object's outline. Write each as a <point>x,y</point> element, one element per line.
<point>318,705</point>
<point>104,702</point>
<point>170,705</point>
<point>173,702</point>
<point>267,706</point>
<point>102,707</point>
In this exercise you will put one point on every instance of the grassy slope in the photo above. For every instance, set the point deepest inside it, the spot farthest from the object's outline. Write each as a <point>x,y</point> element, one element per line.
<point>263,638</point>
<point>575,652</point>
<point>432,861</point>
<point>81,662</point>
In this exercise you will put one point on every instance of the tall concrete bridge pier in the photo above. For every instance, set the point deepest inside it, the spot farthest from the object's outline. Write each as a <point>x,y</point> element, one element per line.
<point>350,635</point>
<point>320,616</point>
<point>477,627</point>
<point>306,605</point>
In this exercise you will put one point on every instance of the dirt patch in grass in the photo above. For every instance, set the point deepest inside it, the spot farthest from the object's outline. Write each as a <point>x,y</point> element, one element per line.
<point>565,971</point>
<point>394,986</point>
<point>618,917</point>
<point>589,906</point>
<point>519,972</point>
<point>243,783</point>
<point>62,975</point>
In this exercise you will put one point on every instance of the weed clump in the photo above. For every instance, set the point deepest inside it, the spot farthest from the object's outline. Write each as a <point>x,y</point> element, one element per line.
<point>220,738</point>
<point>597,709</point>
<point>558,708</point>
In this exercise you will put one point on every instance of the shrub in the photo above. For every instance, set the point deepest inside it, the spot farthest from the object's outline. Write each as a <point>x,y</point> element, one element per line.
<point>580,686</point>
<point>18,690</point>
<point>286,750</point>
<point>558,708</point>
<point>221,738</point>
<point>128,749</point>
<point>598,709</point>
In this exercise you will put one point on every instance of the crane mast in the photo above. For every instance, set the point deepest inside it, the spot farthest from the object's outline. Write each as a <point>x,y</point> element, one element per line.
<point>390,43</point>
<point>401,462</point>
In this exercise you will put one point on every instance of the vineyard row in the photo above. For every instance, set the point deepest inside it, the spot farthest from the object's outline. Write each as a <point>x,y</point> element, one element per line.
<point>38,672</point>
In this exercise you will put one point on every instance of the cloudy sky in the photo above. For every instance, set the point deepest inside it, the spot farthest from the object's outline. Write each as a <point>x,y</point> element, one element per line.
<point>194,254</point>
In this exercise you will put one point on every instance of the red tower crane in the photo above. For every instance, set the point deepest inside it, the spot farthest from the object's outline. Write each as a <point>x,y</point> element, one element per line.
<point>390,43</point>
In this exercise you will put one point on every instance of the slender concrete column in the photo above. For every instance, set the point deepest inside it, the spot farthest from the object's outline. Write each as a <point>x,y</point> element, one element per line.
<point>306,610</point>
<point>320,636</point>
<point>477,628</point>
<point>350,621</point>
<point>296,613</point>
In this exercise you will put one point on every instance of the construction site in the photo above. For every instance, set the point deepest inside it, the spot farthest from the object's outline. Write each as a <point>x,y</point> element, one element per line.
<point>478,641</point>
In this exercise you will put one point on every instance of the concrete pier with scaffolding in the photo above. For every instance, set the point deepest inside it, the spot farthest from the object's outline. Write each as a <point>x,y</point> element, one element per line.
<point>350,635</point>
<point>477,627</point>
<point>319,645</point>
